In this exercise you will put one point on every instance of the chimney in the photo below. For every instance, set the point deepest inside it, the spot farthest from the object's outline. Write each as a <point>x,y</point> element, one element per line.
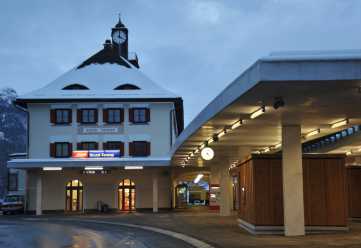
<point>107,44</point>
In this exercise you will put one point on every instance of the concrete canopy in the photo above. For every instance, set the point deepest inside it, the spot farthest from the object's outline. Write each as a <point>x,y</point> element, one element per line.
<point>318,89</point>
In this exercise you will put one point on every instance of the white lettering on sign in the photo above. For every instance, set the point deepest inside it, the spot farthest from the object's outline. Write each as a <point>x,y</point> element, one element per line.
<point>100,130</point>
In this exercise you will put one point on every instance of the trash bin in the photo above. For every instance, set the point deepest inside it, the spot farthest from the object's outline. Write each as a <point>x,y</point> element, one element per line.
<point>99,206</point>
<point>105,208</point>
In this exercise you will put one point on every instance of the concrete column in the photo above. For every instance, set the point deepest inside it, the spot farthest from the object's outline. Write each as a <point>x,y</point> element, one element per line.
<point>293,206</point>
<point>39,199</point>
<point>84,198</point>
<point>155,194</point>
<point>225,206</point>
<point>174,193</point>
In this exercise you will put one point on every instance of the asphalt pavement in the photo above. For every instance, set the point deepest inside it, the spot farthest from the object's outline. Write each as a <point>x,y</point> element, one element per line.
<point>28,232</point>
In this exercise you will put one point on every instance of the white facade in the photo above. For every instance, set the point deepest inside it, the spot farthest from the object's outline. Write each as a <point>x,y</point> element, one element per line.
<point>158,131</point>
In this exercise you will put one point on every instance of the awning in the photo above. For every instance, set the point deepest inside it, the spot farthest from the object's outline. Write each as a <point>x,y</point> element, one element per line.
<point>72,162</point>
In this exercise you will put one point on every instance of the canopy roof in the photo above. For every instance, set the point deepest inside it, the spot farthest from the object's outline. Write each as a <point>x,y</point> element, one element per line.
<point>318,89</point>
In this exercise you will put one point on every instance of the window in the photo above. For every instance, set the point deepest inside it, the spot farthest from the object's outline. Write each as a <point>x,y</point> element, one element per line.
<point>139,148</point>
<point>113,115</point>
<point>114,145</point>
<point>87,116</point>
<point>75,87</point>
<point>60,149</point>
<point>139,115</point>
<point>127,87</point>
<point>87,146</point>
<point>13,182</point>
<point>60,116</point>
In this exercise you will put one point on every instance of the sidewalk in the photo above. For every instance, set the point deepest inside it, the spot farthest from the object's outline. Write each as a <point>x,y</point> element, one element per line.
<point>224,232</point>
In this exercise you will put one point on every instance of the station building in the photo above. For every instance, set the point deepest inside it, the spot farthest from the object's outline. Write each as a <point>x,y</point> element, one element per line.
<point>279,146</point>
<point>100,133</point>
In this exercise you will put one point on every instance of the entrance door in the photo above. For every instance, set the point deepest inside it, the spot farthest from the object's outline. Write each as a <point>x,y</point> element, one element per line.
<point>74,196</point>
<point>126,195</point>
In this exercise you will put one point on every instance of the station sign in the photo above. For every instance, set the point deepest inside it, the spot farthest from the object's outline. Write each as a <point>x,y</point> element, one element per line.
<point>96,154</point>
<point>104,154</point>
<point>80,154</point>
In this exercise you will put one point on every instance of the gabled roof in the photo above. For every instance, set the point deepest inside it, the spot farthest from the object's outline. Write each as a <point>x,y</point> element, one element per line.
<point>101,74</point>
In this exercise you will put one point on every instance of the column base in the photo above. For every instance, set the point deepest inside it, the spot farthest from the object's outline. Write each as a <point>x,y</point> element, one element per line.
<point>279,230</point>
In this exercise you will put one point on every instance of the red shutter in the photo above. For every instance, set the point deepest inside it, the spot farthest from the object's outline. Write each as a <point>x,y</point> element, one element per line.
<point>147,151</point>
<point>131,148</point>
<point>79,146</point>
<point>105,146</point>
<point>121,115</point>
<point>70,113</point>
<point>105,115</point>
<point>52,150</point>
<point>131,115</point>
<point>70,148</point>
<point>121,148</point>
<point>78,116</point>
<point>96,115</point>
<point>147,115</point>
<point>52,116</point>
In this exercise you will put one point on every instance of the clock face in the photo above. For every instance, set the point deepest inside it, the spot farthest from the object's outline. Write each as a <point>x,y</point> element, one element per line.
<point>207,153</point>
<point>119,37</point>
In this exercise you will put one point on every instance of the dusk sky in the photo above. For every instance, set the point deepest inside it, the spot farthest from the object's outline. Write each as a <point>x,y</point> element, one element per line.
<point>194,48</point>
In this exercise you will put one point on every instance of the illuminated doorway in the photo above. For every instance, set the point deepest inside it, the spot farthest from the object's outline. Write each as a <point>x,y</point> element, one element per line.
<point>126,195</point>
<point>74,196</point>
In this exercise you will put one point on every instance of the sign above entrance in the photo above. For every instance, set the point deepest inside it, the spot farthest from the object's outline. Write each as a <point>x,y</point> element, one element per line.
<point>96,154</point>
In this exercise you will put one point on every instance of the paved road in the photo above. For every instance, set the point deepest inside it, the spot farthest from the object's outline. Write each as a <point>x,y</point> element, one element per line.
<point>18,233</point>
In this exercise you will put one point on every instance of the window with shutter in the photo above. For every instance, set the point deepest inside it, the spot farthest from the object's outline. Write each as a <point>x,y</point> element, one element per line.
<point>60,116</point>
<point>87,116</point>
<point>140,149</point>
<point>114,116</point>
<point>87,146</point>
<point>139,115</point>
<point>60,149</point>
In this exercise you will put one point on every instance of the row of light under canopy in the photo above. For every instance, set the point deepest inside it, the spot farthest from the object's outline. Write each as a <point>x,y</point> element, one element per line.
<point>306,136</point>
<point>224,131</point>
<point>254,115</point>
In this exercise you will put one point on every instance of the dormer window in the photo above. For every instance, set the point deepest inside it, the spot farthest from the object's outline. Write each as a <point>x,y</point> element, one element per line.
<point>75,87</point>
<point>127,87</point>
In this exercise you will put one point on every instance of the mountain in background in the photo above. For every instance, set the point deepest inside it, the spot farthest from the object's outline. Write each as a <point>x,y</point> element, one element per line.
<point>13,129</point>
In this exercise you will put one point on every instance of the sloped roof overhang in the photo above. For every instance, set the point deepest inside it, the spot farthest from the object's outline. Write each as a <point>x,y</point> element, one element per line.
<point>318,89</point>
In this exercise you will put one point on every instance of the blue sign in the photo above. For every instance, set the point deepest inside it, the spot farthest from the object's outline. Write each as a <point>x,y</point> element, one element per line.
<point>104,154</point>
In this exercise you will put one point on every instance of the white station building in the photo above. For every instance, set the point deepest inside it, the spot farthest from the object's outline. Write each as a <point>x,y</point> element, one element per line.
<point>101,132</point>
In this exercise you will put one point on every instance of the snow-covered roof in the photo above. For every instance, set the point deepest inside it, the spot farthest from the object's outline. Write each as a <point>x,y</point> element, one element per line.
<point>101,79</point>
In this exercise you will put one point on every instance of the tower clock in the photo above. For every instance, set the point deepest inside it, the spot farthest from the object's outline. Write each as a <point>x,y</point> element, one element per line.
<point>120,39</point>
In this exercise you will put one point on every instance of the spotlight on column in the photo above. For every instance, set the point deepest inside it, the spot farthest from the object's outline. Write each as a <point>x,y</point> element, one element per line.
<point>258,112</point>
<point>198,178</point>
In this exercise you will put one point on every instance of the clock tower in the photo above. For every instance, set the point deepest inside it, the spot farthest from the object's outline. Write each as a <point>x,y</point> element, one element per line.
<point>120,39</point>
